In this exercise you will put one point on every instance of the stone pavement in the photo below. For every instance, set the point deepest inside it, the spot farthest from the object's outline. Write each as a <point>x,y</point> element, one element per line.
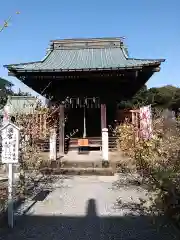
<point>86,207</point>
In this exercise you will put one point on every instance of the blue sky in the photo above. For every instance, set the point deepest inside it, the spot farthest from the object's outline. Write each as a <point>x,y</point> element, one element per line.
<point>151,29</point>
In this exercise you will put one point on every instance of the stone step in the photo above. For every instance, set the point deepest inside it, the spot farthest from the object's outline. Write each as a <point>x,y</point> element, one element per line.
<point>81,164</point>
<point>78,164</point>
<point>79,171</point>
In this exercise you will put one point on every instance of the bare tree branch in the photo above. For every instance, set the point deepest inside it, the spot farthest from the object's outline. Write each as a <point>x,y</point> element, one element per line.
<point>6,23</point>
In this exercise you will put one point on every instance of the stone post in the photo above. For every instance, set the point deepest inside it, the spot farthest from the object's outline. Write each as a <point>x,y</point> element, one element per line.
<point>105,145</point>
<point>52,145</point>
<point>61,129</point>
<point>103,116</point>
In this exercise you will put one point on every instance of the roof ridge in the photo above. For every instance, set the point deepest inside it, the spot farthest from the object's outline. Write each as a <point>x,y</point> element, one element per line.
<point>88,39</point>
<point>86,43</point>
<point>84,48</point>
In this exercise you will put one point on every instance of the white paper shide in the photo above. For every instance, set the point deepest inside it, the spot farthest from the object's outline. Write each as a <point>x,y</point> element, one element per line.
<point>10,143</point>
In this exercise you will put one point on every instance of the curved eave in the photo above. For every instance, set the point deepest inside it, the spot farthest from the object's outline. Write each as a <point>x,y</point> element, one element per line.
<point>138,67</point>
<point>160,60</point>
<point>8,66</point>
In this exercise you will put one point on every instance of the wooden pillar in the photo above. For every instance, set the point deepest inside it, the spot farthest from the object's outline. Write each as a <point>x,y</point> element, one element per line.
<point>61,129</point>
<point>103,116</point>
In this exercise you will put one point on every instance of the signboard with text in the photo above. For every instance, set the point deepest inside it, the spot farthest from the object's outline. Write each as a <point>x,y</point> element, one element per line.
<point>10,143</point>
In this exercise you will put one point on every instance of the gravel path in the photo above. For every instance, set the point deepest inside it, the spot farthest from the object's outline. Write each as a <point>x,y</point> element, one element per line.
<point>81,208</point>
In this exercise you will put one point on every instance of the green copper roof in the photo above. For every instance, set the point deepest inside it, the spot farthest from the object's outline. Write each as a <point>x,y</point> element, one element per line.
<point>68,55</point>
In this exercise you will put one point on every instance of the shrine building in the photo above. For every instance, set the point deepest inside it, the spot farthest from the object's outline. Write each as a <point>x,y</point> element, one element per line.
<point>86,78</point>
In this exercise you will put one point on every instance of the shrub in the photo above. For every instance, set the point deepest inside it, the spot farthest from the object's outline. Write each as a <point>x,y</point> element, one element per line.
<point>34,129</point>
<point>157,161</point>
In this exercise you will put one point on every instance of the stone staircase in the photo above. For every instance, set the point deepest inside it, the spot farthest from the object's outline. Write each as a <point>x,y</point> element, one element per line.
<point>80,164</point>
<point>86,163</point>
